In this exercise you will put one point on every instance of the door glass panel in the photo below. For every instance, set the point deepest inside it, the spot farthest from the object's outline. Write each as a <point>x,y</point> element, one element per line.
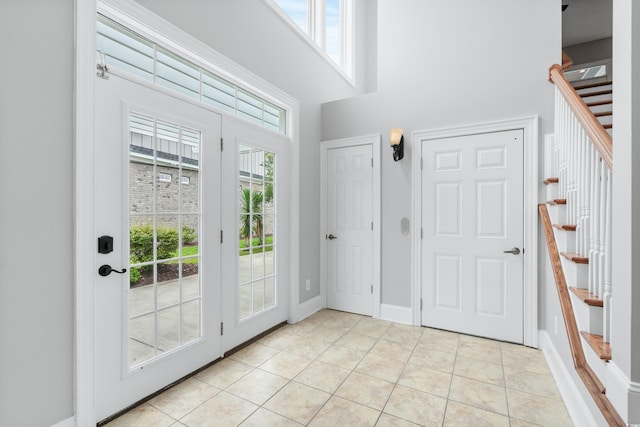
<point>164,223</point>
<point>168,337</point>
<point>256,230</point>
<point>141,338</point>
<point>269,292</point>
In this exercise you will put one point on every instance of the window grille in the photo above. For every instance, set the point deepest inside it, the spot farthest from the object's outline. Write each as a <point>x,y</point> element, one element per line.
<point>130,52</point>
<point>164,177</point>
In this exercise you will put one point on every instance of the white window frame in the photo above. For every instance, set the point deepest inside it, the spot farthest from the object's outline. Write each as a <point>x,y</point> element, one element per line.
<point>316,33</point>
<point>164,177</point>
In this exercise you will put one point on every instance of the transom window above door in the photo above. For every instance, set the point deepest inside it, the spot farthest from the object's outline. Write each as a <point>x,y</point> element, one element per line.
<point>122,48</point>
<point>327,24</point>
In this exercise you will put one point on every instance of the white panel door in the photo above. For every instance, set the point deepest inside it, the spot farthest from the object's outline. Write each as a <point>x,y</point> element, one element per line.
<point>349,228</point>
<point>472,212</point>
<point>157,185</point>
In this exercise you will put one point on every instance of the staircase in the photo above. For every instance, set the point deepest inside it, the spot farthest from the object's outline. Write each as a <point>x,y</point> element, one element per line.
<point>598,96</point>
<point>577,223</point>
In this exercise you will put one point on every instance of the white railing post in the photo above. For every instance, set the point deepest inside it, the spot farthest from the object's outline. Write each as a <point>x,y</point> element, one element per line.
<point>602,237</point>
<point>595,218</point>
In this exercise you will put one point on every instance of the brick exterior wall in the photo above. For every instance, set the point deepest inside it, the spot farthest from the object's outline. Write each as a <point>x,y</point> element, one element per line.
<point>141,181</point>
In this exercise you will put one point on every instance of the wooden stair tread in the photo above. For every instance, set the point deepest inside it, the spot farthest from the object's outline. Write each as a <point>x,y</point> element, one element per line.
<point>557,202</point>
<point>596,84</point>
<point>565,227</point>
<point>587,297</point>
<point>551,181</point>
<point>603,113</point>
<point>597,343</point>
<point>608,126</point>
<point>596,103</point>
<point>596,93</point>
<point>575,257</point>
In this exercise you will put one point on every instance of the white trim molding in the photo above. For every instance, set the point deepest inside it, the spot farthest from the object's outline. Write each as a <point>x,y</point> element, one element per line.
<point>623,393</point>
<point>396,313</point>
<point>309,307</point>
<point>375,142</point>
<point>69,422</point>
<point>84,209</point>
<point>578,409</point>
<point>529,125</point>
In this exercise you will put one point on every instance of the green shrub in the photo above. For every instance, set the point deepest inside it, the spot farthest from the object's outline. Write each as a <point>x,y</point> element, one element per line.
<point>134,275</point>
<point>167,242</point>
<point>188,234</point>
<point>141,242</point>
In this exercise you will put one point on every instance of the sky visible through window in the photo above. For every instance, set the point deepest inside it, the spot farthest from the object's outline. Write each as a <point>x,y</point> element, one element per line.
<point>297,10</point>
<point>333,33</point>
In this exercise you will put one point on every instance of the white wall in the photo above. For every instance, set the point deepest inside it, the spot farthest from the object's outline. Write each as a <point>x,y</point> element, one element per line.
<point>597,50</point>
<point>36,224</point>
<point>439,64</point>
<point>250,33</point>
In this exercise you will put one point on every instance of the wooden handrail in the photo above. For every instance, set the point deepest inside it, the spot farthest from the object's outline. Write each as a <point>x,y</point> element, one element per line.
<point>596,132</point>
<point>589,378</point>
<point>575,343</point>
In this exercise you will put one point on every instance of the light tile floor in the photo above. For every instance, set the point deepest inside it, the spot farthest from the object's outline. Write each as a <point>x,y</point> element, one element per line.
<point>340,369</point>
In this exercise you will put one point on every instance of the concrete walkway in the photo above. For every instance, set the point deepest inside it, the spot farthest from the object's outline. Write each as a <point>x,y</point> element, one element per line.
<point>255,293</point>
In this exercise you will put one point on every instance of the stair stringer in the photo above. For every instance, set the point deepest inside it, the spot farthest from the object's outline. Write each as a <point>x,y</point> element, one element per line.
<point>592,379</point>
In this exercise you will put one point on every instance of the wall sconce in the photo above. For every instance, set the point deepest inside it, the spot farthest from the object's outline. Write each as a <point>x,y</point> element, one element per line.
<point>397,143</point>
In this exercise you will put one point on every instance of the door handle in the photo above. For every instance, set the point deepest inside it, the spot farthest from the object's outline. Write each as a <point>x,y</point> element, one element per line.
<point>514,251</point>
<point>106,270</point>
<point>331,237</point>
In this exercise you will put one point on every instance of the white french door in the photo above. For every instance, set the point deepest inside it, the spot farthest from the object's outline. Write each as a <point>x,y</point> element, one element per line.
<point>349,238</point>
<point>255,216</point>
<point>472,247</point>
<point>158,191</point>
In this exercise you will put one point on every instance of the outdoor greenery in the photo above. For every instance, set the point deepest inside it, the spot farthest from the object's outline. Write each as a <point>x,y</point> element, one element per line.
<point>141,244</point>
<point>256,246</point>
<point>252,202</point>
<point>251,219</point>
<point>268,167</point>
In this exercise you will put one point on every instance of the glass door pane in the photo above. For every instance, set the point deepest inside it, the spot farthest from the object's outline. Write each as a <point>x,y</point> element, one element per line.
<point>164,222</point>
<point>257,207</point>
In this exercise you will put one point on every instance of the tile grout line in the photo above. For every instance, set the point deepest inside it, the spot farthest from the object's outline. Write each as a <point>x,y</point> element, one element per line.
<point>320,326</point>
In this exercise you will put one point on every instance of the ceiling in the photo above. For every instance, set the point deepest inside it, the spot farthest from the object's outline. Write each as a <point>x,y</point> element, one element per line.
<point>586,20</point>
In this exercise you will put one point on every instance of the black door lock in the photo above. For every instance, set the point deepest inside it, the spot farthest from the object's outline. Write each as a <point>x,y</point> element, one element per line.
<point>105,244</point>
<point>106,270</point>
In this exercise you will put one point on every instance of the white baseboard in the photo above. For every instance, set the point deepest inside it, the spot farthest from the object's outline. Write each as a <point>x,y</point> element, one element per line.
<point>624,394</point>
<point>69,422</point>
<point>395,313</point>
<point>578,409</point>
<point>307,308</point>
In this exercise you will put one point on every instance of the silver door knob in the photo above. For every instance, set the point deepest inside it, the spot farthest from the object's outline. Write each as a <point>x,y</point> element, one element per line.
<point>331,237</point>
<point>514,251</point>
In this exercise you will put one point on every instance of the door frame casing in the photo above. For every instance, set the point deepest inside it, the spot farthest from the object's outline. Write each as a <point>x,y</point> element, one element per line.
<point>325,146</point>
<point>529,125</point>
